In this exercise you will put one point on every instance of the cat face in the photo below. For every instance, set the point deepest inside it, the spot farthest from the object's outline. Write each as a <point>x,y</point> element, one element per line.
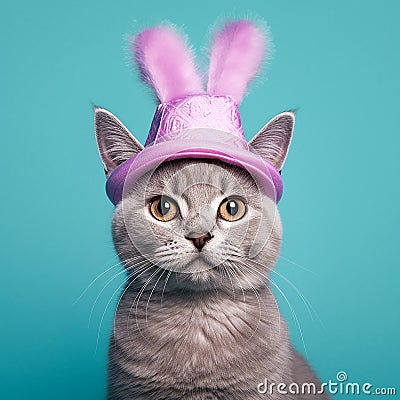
<point>205,223</point>
<point>195,224</point>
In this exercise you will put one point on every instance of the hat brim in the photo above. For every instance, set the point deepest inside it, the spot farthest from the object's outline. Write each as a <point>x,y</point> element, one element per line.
<point>264,173</point>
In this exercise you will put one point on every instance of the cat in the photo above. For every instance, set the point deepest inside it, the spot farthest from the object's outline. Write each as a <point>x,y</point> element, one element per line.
<point>197,229</point>
<point>198,319</point>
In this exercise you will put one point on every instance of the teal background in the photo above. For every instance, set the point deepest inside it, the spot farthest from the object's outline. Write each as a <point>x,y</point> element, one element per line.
<point>338,62</point>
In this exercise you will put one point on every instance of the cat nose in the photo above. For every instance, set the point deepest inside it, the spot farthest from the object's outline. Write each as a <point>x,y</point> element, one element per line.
<point>199,240</point>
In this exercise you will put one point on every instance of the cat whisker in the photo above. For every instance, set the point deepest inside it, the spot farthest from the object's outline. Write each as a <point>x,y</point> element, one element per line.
<point>144,268</point>
<point>148,300</point>
<point>306,302</point>
<point>241,287</point>
<point>105,310</point>
<point>139,272</point>
<point>136,300</point>
<point>273,297</point>
<point>165,284</point>
<point>96,279</point>
<point>228,275</point>
<point>137,265</point>
<point>298,265</point>
<point>252,269</point>
<point>121,262</point>
<point>258,300</point>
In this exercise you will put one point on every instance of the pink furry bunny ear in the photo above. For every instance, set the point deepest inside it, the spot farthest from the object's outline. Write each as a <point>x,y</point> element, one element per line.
<point>166,63</point>
<point>236,55</point>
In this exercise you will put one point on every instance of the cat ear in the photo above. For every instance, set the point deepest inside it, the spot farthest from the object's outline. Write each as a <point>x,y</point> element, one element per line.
<point>115,143</point>
<point>273,141</point>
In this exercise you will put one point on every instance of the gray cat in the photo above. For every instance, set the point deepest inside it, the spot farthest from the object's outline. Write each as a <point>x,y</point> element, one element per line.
<point>197,319</point>
<point>197,229</point>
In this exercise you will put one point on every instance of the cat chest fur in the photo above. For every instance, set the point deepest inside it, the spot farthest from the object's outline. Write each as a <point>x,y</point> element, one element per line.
<point>199,339</point>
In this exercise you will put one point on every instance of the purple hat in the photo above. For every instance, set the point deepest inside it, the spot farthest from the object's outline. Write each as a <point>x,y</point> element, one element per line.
<point>190,123</point>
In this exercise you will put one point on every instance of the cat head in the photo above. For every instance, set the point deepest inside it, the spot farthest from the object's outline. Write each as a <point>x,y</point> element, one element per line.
<point>204,223</point>
<point>197,201</point>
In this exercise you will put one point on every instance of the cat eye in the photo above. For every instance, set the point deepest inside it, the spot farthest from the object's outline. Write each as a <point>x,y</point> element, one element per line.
<point>232,209</point>
<point>163,209</point>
